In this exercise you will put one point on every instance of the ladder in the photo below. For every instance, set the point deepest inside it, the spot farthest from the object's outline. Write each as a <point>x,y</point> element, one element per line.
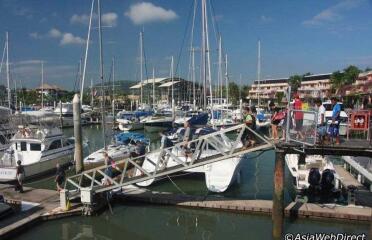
<point>226,142</point>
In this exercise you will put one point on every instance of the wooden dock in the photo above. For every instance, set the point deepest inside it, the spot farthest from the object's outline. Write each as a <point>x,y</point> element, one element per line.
<point>294,209</point>
<point>346,178</point>
<point>41,204</point>
<point>47,207</point>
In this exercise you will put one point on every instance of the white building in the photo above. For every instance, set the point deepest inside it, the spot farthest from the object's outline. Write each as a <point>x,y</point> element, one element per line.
<point>312,86</point>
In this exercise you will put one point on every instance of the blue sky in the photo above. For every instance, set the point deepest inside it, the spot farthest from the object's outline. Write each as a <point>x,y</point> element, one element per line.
<point>296,36</point>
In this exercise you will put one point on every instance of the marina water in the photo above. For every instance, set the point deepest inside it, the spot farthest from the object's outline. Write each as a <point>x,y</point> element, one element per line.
<point>144,221</point>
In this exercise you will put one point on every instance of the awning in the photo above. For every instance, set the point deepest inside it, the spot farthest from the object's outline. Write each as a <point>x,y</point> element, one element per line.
<point>169,84</point>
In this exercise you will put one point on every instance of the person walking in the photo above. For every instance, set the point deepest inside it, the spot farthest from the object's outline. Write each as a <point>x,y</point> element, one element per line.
<point>335,125</point>
<point>298,116</point>
<point>248,139</point>
<point>20,174</point>
<point>60,177</point>
<point>321,126</point>
<point>108,171</point>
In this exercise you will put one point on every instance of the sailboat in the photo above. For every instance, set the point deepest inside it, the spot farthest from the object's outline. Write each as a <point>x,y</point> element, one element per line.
<point>116,150</point>
<point>6,129</point>
<point>133,120</point>
<point>162,120</point>
<point>219,175</point>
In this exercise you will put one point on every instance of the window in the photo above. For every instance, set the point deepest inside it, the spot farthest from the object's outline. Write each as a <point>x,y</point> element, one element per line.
<point>35,147</point>
<point>23,146</point>
<point>54,145</point>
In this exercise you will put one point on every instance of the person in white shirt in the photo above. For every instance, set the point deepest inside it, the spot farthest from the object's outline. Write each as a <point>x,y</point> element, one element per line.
<point>321,126</point>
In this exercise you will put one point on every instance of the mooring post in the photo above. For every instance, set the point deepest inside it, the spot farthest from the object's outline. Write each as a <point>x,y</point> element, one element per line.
<point>77,134</point>
<point>278,196</point>
<point>60,114</point>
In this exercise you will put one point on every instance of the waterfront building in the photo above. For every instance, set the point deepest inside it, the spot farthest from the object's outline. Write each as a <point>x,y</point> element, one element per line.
<point>50,90</point>
<point>182,89</point>
<point>312,86</point>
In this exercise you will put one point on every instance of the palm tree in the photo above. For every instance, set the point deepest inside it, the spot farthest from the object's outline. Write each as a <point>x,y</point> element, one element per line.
<point>295,82</point>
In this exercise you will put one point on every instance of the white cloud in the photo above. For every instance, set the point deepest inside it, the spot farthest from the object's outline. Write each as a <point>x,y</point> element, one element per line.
<point>54,33</point>
<point>30,61</point>
<point>265,19</point>
<point>146,12</point>
<point>109,19</point>
<point>80,19</point>
<point>35,35</point>
<point>65,38</point>
<point>333,13</point>
<point>69,38</point>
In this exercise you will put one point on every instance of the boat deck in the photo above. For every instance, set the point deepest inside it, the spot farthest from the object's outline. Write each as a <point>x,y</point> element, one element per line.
<point>346,178</point>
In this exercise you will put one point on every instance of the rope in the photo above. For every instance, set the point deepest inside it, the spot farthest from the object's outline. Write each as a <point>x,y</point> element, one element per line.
<point>179,189</point>
<point>184,37</point>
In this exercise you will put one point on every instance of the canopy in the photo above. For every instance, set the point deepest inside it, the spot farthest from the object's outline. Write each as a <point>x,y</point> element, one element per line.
<point>126,137</point>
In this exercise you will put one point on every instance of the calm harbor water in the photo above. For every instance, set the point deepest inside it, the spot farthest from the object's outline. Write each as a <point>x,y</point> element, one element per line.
<point>136,221</point>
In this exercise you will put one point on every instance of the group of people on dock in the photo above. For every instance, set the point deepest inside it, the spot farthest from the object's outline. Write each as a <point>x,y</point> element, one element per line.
<point>59,178</point>
<point>279,121</point>
<point>324,131</point>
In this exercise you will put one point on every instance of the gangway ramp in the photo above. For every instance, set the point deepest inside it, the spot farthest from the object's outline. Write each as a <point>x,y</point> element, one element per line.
<point>226,143</point>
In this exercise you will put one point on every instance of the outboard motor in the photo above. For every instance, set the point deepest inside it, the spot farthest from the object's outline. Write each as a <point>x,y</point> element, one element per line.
<point>314,177</point>
<point>327,181</point>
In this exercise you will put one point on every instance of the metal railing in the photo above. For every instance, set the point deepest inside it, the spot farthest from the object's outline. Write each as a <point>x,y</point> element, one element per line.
<point>225,143</point>
<point>301,126</point>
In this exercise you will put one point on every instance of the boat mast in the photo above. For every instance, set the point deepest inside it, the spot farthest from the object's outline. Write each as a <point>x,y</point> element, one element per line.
<point>240,87</point>
<point>227,80</point>
<point>101,75</point>
<point>7,72</point>
<point>193,55</point>
<point>86,54</point>
<point>204,72</point>
<point>91,92</point>
<point>193,78</point>
<point>153,87</point>
<point>172,76</point>
<point>141,63</point>
<point>258,72</point>
<point>208,57</point>
<point>220,68</point>
<point>113,88</point>
<point>42,84</point>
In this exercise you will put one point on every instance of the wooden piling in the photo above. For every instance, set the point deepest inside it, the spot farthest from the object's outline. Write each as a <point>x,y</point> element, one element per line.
<point>278,196</point>
<point>77,134</point>
<point>60,114</point>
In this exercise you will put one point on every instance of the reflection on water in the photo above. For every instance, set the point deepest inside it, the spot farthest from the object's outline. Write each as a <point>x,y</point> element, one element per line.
<point>164,222</point>
<point>154,222</point>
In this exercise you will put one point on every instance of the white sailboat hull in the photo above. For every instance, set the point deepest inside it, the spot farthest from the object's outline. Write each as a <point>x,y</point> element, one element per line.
<point>126,125</point>
<point>117,153</point>
<point>218,176</point>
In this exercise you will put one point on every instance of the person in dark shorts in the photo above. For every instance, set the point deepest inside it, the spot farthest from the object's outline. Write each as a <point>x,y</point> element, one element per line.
<point>20,176</point>
<point>248,138</point>
<point>274,121</point>
<point>60,177</point>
